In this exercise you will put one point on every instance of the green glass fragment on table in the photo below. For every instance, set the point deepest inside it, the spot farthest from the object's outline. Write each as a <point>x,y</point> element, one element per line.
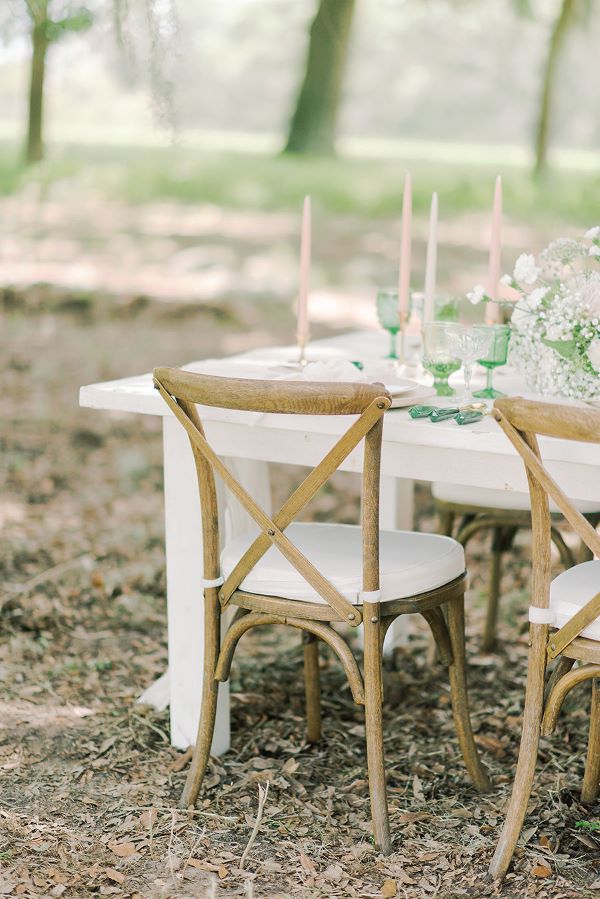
<point>421,411</point>
<point>468,418</point>
<point>443,414</point>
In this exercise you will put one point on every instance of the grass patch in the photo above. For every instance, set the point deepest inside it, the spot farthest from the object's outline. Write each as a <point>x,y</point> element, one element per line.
<point>364,187</point>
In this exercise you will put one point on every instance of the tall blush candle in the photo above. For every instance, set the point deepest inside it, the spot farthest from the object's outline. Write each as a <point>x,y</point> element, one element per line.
<point>303,331</point>
<point>431,262</point>
<point>405,250</point>
<point>493,310</point>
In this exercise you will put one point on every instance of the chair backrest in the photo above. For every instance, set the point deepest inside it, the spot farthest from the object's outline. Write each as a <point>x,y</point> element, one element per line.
<point>183,391</point>
<point>523,421</point>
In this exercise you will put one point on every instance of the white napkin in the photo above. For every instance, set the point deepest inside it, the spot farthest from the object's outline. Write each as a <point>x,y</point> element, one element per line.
<point>344,370</point>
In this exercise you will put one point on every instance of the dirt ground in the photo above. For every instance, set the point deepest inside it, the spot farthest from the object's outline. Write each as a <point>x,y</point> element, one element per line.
<point>89,783</point>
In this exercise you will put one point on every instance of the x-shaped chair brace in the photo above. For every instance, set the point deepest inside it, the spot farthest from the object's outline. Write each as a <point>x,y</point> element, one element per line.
<point>272,528</point>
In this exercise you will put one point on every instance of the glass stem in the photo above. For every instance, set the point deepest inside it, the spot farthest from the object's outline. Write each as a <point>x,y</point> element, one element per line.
<point>393,343</point>
<point>468,371</point>
<point>490,374</point>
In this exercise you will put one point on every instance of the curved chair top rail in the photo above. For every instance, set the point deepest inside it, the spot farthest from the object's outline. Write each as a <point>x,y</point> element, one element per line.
<point>551,419</point>
<point>257,395</point>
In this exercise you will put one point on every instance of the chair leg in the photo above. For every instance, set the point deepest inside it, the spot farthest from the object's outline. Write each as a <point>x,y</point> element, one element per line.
<point>591,778</point>
<point>446,522</point>
<point>446,527</point>
<point>312,687</point>
<point>584,553</point>
<point>567,558</point>
<point>491,614</point>
<point>374,727</point>
<point>563,666</point>
<point>528,753</point>
<point>458,692</point>
<point>210,694</point>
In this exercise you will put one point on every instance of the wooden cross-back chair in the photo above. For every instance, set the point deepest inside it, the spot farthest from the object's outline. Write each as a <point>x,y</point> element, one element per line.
<point>504,513</point>
<point>564,625</point>
<point>310,576</point>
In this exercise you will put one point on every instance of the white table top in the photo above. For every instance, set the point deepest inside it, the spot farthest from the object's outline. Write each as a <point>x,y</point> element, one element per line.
<point>479,454</point>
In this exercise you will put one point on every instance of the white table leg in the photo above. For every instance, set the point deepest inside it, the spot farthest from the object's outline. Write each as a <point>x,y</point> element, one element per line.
<point>396,510</point>
<point>184,575</point>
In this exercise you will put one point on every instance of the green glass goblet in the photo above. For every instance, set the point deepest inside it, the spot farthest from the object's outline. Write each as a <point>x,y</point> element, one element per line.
<point>495,355</point>
<point>388,314</point>
<point>440,356</point>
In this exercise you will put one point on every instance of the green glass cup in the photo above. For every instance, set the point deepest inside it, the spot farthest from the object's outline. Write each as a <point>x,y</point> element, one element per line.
<point>495,355</point>
<point>388,315</point>
<point>440,356</point>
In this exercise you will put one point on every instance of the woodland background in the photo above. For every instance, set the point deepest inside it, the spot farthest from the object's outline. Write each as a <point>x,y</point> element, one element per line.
<point>149,216</point>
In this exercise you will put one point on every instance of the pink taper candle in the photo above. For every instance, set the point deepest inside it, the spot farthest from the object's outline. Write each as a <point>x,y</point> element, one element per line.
<point>492,310</point>
<point>431,262</point>
<point>404,271</point>
<point>303,327</point>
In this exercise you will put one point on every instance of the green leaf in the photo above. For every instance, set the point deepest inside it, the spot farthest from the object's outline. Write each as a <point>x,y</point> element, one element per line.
<point>565,348</point>
<point>523,8</point>
<point>80,20</point>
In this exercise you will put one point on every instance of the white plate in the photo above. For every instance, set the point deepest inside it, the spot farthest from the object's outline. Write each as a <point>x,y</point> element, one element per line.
<point>413,397</point>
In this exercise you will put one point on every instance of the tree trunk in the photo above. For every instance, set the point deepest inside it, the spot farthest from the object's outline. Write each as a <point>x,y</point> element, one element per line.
<point>35,140</point>
<point>557,39</point>
<point>312,129</point>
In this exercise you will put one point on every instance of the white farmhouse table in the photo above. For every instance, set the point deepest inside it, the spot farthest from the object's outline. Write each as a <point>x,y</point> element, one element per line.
<point>476,455</point>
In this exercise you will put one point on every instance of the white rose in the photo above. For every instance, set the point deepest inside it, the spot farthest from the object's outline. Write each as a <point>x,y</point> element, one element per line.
<point>593,352</point>
<point>593,233</point>
<point>558,332</point>
<point>594,250</point>
<point>476,295</point>
<point>526,271</point>
<point>536,296</point>
<point>589,298</point>
<point>520,318</point>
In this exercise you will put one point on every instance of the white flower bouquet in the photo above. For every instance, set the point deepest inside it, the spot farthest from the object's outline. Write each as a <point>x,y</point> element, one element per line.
<point>556,320</point>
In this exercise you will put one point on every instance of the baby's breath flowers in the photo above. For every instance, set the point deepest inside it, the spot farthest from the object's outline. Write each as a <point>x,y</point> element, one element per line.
<point>556,320</point>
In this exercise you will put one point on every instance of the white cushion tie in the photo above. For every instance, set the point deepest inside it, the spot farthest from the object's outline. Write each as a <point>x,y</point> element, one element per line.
<point>369,595</point>
<point>215,582</point>
<point>541,616</point>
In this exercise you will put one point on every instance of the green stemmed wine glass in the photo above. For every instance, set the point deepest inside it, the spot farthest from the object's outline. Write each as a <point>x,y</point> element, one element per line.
<point>388,314</point>
<point>495,355</point>
<point>470,344</point>
<point>440,354</point>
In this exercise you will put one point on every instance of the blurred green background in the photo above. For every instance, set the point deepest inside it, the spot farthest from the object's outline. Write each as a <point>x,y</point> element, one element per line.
<point>141,144</point>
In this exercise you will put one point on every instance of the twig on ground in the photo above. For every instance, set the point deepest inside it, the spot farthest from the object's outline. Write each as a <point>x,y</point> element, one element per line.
<point>263,792</point>
<point>170,847</point>
<point>193,849</point>
<point>55,571</point>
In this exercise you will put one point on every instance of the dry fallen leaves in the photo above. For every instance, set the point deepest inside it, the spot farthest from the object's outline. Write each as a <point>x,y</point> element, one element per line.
<point>115,875</point>
<point>181,761</point>
<point>540,870</point>
<point>148,818</point>
<point>105,643</point>
<point>123,850</point>
<point>388,889</point>
<point>307,864</point>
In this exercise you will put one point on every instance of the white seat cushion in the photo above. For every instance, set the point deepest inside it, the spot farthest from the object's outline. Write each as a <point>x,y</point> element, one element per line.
<point>488,498</point>
<point>571,590</point>
<point>410,563</point>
